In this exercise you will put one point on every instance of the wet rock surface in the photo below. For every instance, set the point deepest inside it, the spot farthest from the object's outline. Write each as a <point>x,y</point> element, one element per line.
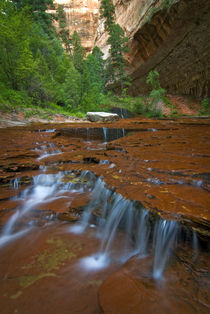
<point>132,290</point>
<point>161,164</point>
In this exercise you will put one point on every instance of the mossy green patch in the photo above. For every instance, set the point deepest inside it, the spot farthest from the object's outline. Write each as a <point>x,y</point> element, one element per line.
<point>49,260</point>
<point>16,295</point>
<point>27,280</point>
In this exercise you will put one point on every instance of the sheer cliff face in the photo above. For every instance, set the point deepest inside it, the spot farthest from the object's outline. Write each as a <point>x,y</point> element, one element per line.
<point>174,41</point>
<point>177,44</point>
<point>129,15</point>
<point>82,16</point>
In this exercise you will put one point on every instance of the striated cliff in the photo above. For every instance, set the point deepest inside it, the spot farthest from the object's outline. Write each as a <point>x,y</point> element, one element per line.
<point>175,41</point>
<point>82,16</point>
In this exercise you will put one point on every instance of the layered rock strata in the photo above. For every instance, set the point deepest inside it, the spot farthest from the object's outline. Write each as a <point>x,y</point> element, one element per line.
<point>172,40</point>
<point>81,16</point>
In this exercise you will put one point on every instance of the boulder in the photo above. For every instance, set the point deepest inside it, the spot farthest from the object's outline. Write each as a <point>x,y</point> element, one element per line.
<point>102,116</point>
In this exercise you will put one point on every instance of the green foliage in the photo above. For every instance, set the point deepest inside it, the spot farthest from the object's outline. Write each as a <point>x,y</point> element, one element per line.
<point>78,52</point>
<point>72,89</point>
<point>16,62</point>
<point>205,104</point>
<point>64,33</point>
<point>95,67</point>
<point>115,66</point>
<point>107,11</point>
<point>40,78</point>
<point>118,46</point>
<point>205,107</point>
<point>158,94</point>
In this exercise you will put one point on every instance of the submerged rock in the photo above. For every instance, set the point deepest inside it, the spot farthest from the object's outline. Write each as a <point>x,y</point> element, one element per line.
<point>102,116</point>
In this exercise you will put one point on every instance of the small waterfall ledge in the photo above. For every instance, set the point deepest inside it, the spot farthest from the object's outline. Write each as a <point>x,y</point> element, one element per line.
<point>143,232</point>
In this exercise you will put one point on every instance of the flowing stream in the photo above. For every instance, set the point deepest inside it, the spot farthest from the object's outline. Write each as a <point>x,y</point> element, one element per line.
<point>115,214</point>
<point>123,229</point>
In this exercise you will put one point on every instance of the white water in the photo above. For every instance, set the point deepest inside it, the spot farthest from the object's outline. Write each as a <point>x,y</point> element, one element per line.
<point>95,262</point>
<point>45,188</point>
<point>110,212</point>
<point>47,151</point>
<point>163,239</point>
<point>116,213</point>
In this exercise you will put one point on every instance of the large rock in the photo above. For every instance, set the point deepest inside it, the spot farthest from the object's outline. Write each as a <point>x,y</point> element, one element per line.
<point>102,116</point>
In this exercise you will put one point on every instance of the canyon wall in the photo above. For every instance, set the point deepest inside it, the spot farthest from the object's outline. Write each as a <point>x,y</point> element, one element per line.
<point>175,41</point>
<point>82,16</point>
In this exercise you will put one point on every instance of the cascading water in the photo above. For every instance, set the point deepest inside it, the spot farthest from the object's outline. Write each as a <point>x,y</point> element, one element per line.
<point>45,188</point>
<point>108,211</point>
<point>105,134</point>
<point>163,239</point>
<point>117,213</point>
<point>48,150</point>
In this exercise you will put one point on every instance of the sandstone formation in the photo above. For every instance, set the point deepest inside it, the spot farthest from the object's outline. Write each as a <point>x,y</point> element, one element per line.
<point>82,16</point>
<point>161,165</point>
<point>172,41</point>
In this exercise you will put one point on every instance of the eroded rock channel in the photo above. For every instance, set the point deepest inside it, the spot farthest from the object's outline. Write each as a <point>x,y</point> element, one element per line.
<point>110,218</point>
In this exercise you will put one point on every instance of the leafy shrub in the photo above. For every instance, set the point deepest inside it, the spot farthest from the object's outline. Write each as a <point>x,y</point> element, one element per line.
<point>158,94</point>
<point>205,107</point>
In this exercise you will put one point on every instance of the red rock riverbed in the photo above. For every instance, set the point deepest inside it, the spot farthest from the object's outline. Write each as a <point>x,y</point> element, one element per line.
<point>163,164</point>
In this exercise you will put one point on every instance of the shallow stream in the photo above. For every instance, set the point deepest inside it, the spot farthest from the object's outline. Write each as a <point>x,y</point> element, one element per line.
<point>65,230</point>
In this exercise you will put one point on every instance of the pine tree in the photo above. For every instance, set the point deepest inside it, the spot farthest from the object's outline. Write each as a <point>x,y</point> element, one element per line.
<point>16,62</point>
<point>115,69</point>
<point>118,46</point>
<point>64,32</point>
<point>107,12</point>
<point>38,10</point>
<point>78,52</point>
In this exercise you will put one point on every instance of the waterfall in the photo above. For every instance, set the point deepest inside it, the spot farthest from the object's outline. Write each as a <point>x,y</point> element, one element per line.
<point>15,183</point>
<point>108,211</point>
<point>163,239</point>
<point>45,188</point>
<point>142,232</point>
<point>105,134</point>
<point>99,199</point>
<point>115,213</point>
<point>195,245</point>
<point>47,151</point>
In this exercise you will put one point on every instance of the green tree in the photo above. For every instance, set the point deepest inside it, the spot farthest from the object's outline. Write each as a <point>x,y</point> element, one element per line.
<point>38,10</point>
<point>118,47</point>
<point>16,61</point>
<point>63,32</point>
<point>72,88</point>
<point>157,95</point>
<point>107,12</point>
<point>78,52</point>
<point>95,68</point>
